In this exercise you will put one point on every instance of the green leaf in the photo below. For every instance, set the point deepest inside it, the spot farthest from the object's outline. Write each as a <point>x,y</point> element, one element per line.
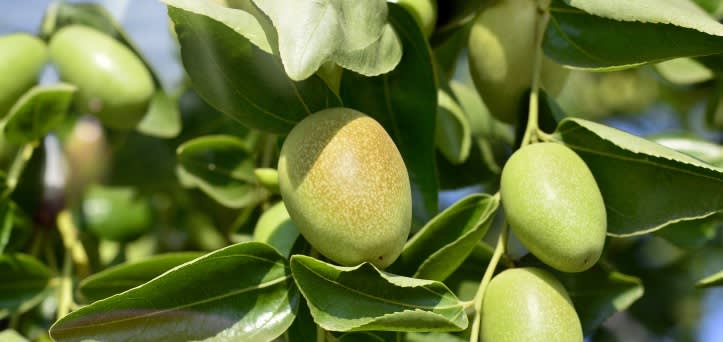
<point>452,136</point>
<point>404,101</point>
<point>711,280</point>
<point>363,298</point>
<point>684,71</point>
<point>303,329</point>
<point>25,282</point>
<point>235,76</point>
<point>598,294</point>
<point>276,228</point>
<point>692,234</point>
<point>645,186</point>
<point>10,335</point>
<point>378,58</point>
<point>695,147</point>
<point>223,168</point>
<point>447,240</point>
<point>163,119</point>
<point>621,33</point>
<point>129,275</point>
<point>313,32</point>
<point>242,292</point>
<point>37,112</point>
<point>7,218</point>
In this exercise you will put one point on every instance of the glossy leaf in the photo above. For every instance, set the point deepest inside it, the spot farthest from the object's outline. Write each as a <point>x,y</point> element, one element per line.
<point>447,240</point>
<point>620,33</point>
<point>692,234</point>
<point>24,282</point>
<point>452,136</point>
<point>645,186</point>
<point>715,279</point>
<point>129,275</point>
<point>223,168</point>
<point>276,228</point>
<point>363,298</point>
<point>704,150</point>
<point>37,112</point>
<point>404,102</point>
<point>313,32</point>
<point>599,294</point>
<point>163,119</point>
<point>231,72</point>
<point>241,292</point>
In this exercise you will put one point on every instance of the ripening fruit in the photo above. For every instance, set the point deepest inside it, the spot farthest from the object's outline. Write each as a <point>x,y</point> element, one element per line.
<point>113,84</point>
<point>424,13</point>
<point>22,57</point>
<point>554,206</point>
<point>501,53</point>
<point>345,186</point>
<point>528,304</point>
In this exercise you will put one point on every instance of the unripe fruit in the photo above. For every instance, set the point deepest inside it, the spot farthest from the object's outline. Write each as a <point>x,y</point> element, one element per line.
<point>501,55</point>
<point>345,186</point>
<point>554,206</point>
<point>528,304</point>
<point>113,84</point>
<point>116,213</point>
<point>424,13</point>
<point>22,57</point>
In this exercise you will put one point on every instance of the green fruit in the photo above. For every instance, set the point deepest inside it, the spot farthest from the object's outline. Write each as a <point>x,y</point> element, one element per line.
<point>345,186</point>
<point>424,13</point>
<point>501,53</point>
<point>116,213</point>
<point>22,57</point>
<point>113,83</point>
<point>554,206</point>
<point>528,304</point>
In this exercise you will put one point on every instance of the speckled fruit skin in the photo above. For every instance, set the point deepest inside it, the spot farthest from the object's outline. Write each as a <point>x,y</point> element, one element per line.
<point>113,84</point>
<point>501,50</point>
<point>554,206</point>
<point>345,186</point>
<point>22,57</point>
<point>528,304</point>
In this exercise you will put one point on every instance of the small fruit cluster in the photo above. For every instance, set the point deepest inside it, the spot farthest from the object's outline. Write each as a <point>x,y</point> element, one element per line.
<point>113,83</point>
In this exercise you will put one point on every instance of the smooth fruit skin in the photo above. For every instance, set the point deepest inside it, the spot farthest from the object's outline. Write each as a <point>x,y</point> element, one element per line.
<point>345,186</point>
<point>22,57</point>
<point>528,304</point>
<point>113,83</point>
<point>424,13</point>
<point>553,205</point>
<point>501,52</point>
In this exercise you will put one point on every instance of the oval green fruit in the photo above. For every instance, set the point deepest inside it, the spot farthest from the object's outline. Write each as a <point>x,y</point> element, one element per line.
<point>553,205</point>
<point>116,213</point>
<point>113,83</point>
<point>22,57</point>
<point>528,304</point>
<point>424,13</point>
<point>345,186</point>
<point>501,53</point>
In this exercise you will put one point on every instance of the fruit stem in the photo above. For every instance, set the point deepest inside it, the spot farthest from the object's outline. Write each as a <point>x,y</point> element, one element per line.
<point>499,251</point>
<point>532,128</point>
<point>320,334</point>
<point>17,167</point>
